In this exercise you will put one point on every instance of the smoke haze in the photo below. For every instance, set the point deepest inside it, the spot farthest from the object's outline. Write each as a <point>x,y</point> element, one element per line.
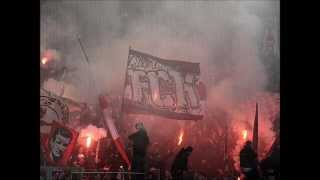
<point>224,36</point>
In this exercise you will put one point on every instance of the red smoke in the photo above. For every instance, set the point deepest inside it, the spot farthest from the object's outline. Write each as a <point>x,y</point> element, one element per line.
<point>207,136</point>
<point>243,119</point>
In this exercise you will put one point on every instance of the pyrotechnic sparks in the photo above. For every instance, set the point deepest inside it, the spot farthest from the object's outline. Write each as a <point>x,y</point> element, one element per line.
<point>180,138</point>
<point>244,134</point>
<point>88,143</point>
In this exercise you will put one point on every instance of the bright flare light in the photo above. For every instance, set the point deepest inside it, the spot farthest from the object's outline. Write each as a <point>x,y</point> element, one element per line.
<point>44,60</point>
<point>88,143</point>
<point>244,134</point>
<point>180,138</point>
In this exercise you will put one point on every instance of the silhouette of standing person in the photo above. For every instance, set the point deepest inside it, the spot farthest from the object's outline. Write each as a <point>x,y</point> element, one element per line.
<point>180,163</point>
<point>249,162</point>
<point>140,141</point>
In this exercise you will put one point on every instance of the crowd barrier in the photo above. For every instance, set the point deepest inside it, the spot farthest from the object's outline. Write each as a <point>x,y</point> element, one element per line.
<point>60,173</point>
<point>72,173</point>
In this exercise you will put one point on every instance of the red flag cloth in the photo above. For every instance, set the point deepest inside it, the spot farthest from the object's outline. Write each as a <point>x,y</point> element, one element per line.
<point>59,144</point>
<point>116,137</point>
<point>112,129</point>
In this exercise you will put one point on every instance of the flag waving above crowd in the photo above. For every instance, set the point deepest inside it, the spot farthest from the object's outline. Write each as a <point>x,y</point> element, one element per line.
<point>167,88</point>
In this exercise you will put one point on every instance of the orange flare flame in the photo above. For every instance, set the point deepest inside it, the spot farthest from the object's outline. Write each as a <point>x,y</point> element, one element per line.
<point>244,134</point>
<point>180,138</point>
<point>44,60</point>
<point>88,143</point>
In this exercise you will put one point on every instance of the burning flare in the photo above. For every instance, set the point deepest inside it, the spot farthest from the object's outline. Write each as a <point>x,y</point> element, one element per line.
<point>44,60</point>
<point>180,138</point>
<point>244,134</point>
<point>88,143</point>
<point>90,134</point>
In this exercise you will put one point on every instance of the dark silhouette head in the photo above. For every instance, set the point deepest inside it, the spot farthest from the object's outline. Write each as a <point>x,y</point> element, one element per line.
<point>188,150</point>
<point>139,126</point>
<point>248,144</point>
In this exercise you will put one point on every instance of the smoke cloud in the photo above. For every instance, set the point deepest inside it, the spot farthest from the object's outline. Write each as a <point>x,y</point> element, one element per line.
<point>224,36</point>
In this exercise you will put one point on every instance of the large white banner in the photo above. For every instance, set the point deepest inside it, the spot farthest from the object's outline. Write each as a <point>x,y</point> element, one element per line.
<point>162,87</point>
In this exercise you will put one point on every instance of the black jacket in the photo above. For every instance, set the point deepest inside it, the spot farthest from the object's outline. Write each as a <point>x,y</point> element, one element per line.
<point>140,141</point>
<point>180,162</point>
<point>248,158</point>
<point>272,161</point>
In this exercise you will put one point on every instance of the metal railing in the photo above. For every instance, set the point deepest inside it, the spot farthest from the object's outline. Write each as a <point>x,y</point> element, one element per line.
<point>56,173</point>
<point>103,175</point>
<point>121,175</point>
<point>73,173</point>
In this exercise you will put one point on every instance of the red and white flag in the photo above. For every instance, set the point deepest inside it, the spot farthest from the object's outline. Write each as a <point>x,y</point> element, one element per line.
<point>113,130</point>
<point>163,87</point>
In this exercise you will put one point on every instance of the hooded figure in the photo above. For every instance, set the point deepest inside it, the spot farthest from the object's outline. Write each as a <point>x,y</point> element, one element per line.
<point>140,142</point>
<point>180,163</point>
<point>249,162</point>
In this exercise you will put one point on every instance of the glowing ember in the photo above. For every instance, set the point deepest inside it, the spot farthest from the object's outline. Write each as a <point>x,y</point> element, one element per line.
<point>89,139</point>
<point>180,138</point>
<point>44,60</point>
<point>244,134</point>
<point>238,178</point>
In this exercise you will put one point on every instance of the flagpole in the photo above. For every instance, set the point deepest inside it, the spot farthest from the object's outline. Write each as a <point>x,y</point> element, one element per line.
<point>255,135</point>
<point>87,60</point>
<point>124,87</point>
<point>82,50</point>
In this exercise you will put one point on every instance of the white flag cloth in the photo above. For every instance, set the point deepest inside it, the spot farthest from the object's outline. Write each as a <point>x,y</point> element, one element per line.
<point>115,136</point>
